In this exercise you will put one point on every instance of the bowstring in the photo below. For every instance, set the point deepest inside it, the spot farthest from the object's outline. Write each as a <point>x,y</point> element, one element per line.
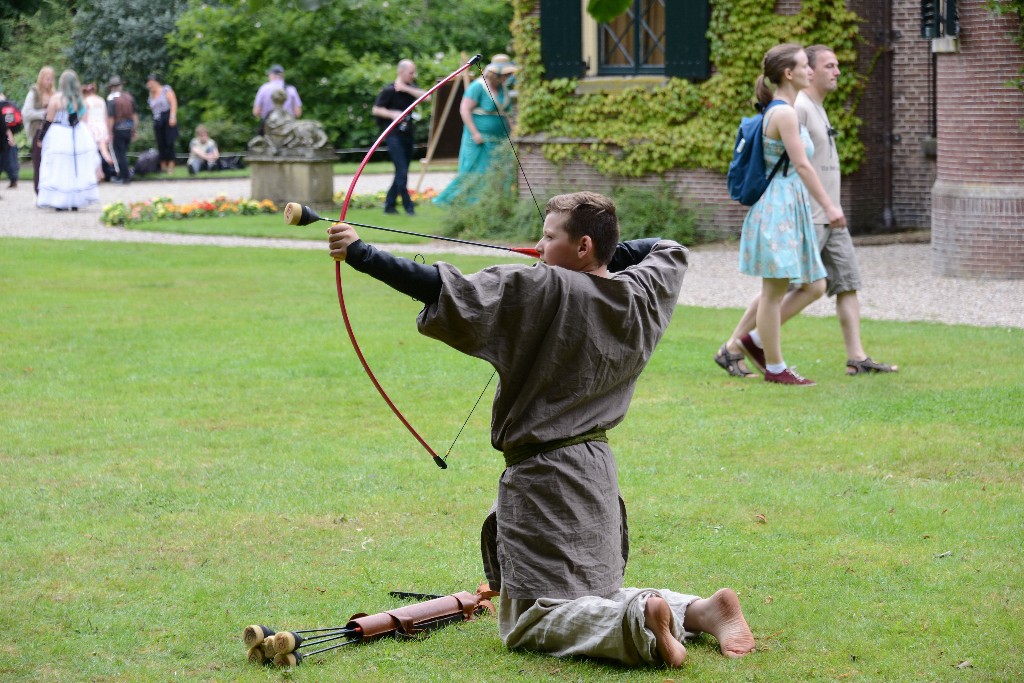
<point>540,214</point>
<point>471,411</point>
<point>508,134</point>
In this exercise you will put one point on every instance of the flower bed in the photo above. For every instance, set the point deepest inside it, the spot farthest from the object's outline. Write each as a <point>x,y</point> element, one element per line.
<point>163,208</point>
<point>375,200</point>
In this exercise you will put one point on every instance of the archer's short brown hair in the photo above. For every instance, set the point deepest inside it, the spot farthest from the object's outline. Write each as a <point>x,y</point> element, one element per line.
<point>590,214</point>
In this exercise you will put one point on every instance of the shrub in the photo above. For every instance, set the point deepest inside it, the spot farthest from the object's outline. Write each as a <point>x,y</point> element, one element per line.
<point>489,207</point>
<point>494,211</point>
<point>656,212</point>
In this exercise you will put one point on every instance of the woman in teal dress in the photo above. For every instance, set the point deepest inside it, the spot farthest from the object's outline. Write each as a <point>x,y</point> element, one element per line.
<point>778,242</point>
<point>484,112</point>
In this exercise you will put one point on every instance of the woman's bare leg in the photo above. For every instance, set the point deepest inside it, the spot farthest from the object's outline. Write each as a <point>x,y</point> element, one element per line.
<point>769,319</point>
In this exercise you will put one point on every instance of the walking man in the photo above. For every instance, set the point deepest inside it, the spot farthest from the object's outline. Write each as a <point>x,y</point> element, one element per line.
<point>843,279</point>
<point>394,99</point>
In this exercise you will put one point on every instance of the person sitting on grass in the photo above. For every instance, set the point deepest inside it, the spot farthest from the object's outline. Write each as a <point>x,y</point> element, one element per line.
<point>203,154</point>
<point>568,337</point>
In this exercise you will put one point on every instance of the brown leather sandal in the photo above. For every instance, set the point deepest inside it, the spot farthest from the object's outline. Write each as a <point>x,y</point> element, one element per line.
<point>730,362</point>
<point>868,366</point>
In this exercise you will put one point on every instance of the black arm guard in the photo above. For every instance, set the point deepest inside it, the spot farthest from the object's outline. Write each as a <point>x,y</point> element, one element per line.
<point>418,280</point>
<point>631,253</point>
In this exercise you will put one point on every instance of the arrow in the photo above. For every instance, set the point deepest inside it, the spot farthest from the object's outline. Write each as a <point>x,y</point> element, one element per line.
<point>296,214</point>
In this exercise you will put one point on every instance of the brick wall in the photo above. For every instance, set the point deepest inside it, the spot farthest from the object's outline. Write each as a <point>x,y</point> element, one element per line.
<point>913,118</point>
<point>978,196</point>
<point>864,198</point>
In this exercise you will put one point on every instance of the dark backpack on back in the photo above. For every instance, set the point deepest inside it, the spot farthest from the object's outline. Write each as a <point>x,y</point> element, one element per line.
<point>747,177</point>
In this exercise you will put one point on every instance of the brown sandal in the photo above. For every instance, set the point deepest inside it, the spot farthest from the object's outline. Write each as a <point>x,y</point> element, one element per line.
<point>730,362</point>
<point>868,366</point>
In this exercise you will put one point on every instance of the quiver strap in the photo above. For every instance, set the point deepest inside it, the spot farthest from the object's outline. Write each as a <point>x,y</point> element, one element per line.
<point>413,619</point>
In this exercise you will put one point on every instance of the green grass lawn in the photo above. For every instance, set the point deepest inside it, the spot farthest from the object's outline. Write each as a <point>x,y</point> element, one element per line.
<point>190,446</point>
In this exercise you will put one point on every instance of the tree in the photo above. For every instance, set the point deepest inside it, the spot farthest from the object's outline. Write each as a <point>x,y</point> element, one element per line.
<point>338,54</point>
<point>33,34</point>
<point>215,53</point>
<point>124,37</point>
<point>11,12</point>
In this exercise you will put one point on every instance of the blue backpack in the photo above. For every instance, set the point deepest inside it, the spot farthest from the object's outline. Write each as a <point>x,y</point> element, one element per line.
<point>747,177</point>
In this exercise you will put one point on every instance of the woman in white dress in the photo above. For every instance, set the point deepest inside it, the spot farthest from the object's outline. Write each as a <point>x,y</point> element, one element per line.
<point>71,162</point>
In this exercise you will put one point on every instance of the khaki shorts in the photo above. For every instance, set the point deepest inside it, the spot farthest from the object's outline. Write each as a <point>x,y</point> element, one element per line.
<point>839,259</point>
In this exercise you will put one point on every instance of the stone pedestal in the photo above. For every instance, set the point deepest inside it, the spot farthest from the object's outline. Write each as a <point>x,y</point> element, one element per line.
<point>305,180</point>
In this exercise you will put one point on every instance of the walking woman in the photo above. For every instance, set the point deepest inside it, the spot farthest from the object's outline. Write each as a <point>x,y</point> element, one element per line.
<point>34,113</point>
<point>484,112</point>
<point>71,162</point>
<point>778,243</point>
<point>164,105</point>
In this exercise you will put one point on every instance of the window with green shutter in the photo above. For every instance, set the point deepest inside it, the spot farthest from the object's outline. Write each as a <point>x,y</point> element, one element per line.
<point>561,39</point>
<point>687,49</point>
<point>633,43</point>
<point>652,38</point>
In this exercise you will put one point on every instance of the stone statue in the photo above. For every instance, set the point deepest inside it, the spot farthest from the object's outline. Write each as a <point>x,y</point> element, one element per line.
<point>284,135</point>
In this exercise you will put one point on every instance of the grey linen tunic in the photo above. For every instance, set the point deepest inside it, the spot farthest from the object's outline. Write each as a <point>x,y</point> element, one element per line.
<point>568,348</point>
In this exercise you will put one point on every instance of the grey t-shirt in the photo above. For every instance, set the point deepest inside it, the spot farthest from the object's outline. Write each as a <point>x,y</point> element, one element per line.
<point>826,157</point>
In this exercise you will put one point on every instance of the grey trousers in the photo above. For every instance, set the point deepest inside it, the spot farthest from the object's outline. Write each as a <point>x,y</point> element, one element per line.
<point>610,627</point>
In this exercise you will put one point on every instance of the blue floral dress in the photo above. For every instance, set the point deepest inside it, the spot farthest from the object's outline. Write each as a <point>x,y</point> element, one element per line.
<point>778,238</point>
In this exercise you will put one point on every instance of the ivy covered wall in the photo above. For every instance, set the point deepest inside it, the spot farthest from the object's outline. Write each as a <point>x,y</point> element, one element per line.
<point>683,124</point>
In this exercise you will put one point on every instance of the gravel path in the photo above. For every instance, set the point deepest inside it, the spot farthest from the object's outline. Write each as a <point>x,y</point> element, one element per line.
<point>898,280</point>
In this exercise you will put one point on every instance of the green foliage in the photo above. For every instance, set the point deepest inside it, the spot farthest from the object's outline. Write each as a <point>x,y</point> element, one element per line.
<point>606,10</point>
<point>338,55</point>
<point>124,37</point>
<point>31,40</point>
<point>215,54</point>
<point>655,212</point>
<point>1013,8</point>
<point>489,207</point>
<point>684,124</point>
<point>11,13</point>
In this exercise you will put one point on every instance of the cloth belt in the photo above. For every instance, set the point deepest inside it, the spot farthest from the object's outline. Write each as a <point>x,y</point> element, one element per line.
<point>516,455</point>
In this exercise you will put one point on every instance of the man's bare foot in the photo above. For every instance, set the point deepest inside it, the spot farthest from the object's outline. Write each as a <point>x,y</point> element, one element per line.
<point>721,616</point>
<point>658,619</point>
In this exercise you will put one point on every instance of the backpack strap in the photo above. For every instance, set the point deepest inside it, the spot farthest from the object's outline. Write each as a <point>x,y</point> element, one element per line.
<point>783,161</point>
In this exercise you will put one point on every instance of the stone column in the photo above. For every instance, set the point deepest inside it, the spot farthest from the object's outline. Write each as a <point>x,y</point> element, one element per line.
<point>978,196</point>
